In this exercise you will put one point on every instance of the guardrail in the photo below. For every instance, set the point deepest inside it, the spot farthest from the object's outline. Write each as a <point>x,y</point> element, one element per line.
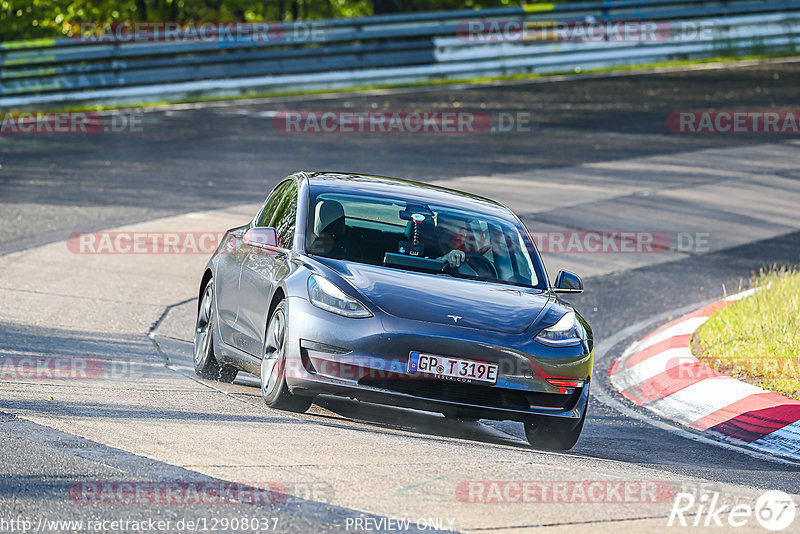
<point>393,49</point>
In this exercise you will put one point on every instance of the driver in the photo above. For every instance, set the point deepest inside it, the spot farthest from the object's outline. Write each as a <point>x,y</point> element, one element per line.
<point>451,234</point>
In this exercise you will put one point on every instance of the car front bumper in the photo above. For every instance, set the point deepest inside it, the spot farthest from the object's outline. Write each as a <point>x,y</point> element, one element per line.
<point>366,359</point>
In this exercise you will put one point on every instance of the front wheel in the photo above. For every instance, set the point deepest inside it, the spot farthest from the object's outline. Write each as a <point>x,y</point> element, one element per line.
<point>554,434</point>
<point>205,363</point>
<point>274,390</point>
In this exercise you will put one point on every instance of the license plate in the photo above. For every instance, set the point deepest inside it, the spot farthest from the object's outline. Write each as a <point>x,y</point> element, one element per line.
<point>452,368</point>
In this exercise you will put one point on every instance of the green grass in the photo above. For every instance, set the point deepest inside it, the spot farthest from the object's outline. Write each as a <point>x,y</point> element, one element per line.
<point>757,339</point>
<point>455,81</point>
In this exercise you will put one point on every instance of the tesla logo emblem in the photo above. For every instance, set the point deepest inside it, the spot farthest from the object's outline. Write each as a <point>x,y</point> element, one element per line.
<point>455,318</point>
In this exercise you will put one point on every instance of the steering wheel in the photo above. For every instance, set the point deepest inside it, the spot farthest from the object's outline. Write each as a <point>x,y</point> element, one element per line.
<point>481,265</point>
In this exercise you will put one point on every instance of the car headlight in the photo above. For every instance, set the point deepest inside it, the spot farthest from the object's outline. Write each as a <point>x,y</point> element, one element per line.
<point>324,294</point>
<point>567,331</point>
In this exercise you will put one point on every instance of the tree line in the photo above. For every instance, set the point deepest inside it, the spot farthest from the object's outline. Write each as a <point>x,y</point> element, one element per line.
<point>30,19</point>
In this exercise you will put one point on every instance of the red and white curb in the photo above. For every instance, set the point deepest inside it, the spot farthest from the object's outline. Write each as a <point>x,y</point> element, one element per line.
<point>661,374</point>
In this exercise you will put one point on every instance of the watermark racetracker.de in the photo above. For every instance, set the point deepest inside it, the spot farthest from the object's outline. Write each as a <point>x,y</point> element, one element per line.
<point>23,368</point>
<point>134,242</point>
<point>150,493</point>
<point>417,121</point>
<point>549,242</point>
<point>688,368</point>
<point>732,122</point>
<point>88,122</point>
<point>382,122</point>
<point>586,30</point>
<point>132,31</point>
<point>564,491</point>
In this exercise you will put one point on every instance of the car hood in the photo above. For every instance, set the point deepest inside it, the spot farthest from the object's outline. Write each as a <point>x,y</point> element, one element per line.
<point>441,299</point>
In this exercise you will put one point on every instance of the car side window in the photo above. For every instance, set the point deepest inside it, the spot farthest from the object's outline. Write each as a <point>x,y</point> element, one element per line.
<point>280,212</point>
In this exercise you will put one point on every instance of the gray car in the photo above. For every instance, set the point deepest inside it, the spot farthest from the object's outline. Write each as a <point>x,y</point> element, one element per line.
<point>399,293</point>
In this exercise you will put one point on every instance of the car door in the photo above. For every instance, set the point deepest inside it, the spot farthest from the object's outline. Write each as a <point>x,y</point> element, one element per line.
<point>226,284</point>
<point>262,271</point>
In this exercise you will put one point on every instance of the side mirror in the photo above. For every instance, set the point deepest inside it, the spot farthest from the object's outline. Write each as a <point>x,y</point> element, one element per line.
<point>265,238</point>
<point>567,282</point>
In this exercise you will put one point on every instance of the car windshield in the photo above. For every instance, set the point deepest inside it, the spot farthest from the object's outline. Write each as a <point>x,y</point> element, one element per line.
<point>418,236</point>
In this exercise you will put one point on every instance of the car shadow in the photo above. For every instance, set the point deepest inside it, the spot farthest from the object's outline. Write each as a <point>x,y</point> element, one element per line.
<point>428,423</point>
<point>341,411</point>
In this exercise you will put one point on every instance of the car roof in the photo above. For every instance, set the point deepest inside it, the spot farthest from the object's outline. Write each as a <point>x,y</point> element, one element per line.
<point>320,182</point>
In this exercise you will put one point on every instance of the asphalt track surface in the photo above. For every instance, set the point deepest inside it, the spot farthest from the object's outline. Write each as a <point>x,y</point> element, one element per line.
<point>192,159</point>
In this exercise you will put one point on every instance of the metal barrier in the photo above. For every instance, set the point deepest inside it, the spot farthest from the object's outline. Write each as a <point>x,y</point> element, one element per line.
<point>394,49</point>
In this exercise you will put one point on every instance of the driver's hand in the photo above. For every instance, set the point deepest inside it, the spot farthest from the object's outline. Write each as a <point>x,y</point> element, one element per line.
<point>454,258</point>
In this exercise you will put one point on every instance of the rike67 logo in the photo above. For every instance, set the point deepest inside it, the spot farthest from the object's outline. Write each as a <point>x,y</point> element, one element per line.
<point>773,510</point>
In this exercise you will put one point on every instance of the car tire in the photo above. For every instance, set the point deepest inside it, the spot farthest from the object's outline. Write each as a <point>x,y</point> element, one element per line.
<point>205,362</point>
<point>274,389</point>
<point>552,434</point>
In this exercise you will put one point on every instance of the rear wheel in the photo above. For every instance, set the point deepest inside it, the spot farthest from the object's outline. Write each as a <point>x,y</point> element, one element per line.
<point>205,363</point>
<point>554,434</point>
<point>274,390</point>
